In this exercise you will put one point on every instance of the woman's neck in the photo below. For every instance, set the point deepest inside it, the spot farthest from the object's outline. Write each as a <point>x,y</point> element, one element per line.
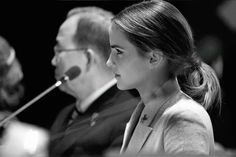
<point>163,90</point>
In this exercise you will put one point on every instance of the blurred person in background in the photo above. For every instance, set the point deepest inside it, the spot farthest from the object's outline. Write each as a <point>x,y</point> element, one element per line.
<point>13,132</point>
<point>210,49</point>
<point>97,119</point>
<point>11,75</point>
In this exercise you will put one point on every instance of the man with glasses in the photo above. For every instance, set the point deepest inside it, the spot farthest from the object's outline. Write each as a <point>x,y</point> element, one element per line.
<point>96,121</point>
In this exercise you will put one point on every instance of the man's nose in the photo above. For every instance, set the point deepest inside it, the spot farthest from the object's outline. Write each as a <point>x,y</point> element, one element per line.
<point>53,61</point>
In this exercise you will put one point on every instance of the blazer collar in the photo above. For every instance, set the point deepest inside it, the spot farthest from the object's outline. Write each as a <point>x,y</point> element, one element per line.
<point>148,118</point>
<point>130,126</point>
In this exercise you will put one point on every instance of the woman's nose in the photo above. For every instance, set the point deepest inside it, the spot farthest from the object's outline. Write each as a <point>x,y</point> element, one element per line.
<point>109,62</point>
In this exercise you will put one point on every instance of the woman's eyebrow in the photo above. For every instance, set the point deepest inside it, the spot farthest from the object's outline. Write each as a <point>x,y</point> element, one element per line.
<point>116,46</point>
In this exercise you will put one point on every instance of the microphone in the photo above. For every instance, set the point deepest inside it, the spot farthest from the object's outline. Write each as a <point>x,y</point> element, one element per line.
<point>70,74</point>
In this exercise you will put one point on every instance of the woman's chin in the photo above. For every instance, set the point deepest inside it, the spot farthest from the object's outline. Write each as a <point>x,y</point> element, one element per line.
<point>122,86</point>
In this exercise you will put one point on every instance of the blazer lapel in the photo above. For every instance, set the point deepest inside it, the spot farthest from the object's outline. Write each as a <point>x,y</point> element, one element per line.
<point>139,137</point>
<point>143,129</point>
<point>148,118</point>
<point>130,126</point>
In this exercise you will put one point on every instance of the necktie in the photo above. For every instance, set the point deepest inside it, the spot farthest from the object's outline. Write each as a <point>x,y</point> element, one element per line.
<point>75,112</point>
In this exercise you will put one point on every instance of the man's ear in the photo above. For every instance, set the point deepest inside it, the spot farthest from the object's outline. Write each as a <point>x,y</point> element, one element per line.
<point>91,58</point>
<point>155,58</point>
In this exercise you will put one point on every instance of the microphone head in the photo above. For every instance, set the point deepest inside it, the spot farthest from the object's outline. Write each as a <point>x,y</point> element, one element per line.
<point>70,74</point>
<point>73,72</point>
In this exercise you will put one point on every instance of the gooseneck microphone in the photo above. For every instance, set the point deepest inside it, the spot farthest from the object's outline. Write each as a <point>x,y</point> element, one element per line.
<point>72,73</point>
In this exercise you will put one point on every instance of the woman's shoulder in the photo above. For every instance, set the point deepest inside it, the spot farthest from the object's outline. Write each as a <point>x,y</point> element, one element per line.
<point>186,103</point>
<point>187,109</point>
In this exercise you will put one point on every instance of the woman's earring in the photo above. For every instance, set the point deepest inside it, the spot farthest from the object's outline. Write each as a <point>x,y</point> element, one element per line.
<point>152,60</point>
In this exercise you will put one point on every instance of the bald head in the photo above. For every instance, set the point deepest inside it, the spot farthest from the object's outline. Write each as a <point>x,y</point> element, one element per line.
<point>89,26</point>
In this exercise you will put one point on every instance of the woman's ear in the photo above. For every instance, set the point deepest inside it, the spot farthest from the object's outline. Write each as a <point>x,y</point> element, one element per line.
<point>155,58</point>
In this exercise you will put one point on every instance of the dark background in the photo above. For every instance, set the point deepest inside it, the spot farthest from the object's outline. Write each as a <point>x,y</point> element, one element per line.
<point>31,29</point>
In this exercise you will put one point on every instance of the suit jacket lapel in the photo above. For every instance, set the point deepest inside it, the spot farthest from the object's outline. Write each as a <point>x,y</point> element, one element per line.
<point>143,129</point>
<point>130,126</point>
<point>139,137</point>
<point>148,118</point>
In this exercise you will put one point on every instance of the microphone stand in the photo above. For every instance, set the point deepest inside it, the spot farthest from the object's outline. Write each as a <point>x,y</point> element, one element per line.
<point>58,83</point>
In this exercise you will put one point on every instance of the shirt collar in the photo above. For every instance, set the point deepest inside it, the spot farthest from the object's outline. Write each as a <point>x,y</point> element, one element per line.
<point>82,106</point>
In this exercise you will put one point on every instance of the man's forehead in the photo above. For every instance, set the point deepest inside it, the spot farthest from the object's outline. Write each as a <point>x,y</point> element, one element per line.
<point>68,27</point>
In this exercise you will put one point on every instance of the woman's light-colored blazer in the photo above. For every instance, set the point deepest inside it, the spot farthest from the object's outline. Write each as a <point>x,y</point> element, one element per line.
<point>181,126</point>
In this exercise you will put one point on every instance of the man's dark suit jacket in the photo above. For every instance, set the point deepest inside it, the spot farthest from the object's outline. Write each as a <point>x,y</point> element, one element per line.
<point>100,128</point>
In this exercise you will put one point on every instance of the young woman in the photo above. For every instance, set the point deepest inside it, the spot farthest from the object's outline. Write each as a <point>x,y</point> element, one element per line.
<point>153,51</point>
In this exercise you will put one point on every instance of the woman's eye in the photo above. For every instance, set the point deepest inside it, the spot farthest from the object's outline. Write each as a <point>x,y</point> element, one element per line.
<point>118,52</point>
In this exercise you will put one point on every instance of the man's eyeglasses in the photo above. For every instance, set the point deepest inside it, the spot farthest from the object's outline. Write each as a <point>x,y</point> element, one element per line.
<point>59,50</point>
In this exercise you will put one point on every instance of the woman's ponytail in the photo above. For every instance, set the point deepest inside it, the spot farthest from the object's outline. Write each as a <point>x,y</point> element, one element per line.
<point>201,83</point>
